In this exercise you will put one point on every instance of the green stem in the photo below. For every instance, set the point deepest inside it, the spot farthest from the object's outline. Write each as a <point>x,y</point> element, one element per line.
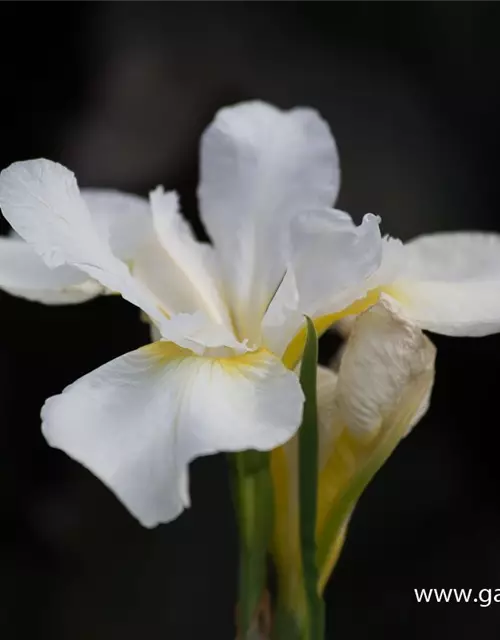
<point>254,509</point>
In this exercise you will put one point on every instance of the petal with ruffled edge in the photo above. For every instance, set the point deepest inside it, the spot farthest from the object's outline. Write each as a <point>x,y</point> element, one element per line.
<point>260,167</point>
<point>451,283</point>
<point>332,261</point>
<point>42,202</point>
<point>331,264</point>
<point>139,420</point>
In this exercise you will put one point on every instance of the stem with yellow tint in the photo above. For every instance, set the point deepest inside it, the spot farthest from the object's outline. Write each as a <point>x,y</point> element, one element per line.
<point>300,611</point>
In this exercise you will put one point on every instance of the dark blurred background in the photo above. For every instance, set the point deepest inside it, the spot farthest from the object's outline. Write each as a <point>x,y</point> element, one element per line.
<point>120,93</point>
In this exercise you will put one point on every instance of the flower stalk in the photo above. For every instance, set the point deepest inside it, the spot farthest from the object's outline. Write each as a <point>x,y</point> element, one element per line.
<point>253,496</point>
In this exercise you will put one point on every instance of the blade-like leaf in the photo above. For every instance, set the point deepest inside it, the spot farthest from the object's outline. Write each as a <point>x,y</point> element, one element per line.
<point>308,479</point>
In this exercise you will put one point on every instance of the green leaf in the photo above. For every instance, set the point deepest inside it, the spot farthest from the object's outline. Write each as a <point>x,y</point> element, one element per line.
<point>308,480</point>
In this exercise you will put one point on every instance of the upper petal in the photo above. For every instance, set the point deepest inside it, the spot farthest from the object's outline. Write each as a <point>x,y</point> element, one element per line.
<point>139,420</point>
<point>331,264</point>
<point>123,218</point>
<point>332,261</point>
<point>23,273</point>
<point>42,202</point>
<point>451,283</point>
<point>259,167</point>
<point>178,268</point>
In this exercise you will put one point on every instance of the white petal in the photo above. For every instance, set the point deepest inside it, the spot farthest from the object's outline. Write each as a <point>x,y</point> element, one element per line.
<point>124,218</point>
<point>23,273</point>
<point>178,268</point>
<point>197,332</point>
<point>139,420</point>
<point>383,356</point>
<point>451,283</point>
<point>332,262</point>
<point>42,202</point>
<point>259,167</point>
<point>283,318</point>
<point>391,265</point>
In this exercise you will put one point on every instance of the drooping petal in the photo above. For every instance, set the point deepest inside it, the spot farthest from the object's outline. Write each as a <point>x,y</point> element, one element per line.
<point>451,283</point>
<point>123,218</point>
<point>332,261</point>
<point>24,274</point>
<point>139,420</point>
<point>42,202</point>
<point>260,167</point>
<point>180,270</point>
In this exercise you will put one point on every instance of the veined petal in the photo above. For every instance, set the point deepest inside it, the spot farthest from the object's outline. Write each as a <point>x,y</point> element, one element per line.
<point>123,218</point>
<point>139,420</point>
<point>179,269</point>
<point>328,424</point>
<point>42,202</point>
<point>451,283</point>
<point>385,352</point>
<point>383,388</point>
<point>23,273</point>
<point>260,167</point>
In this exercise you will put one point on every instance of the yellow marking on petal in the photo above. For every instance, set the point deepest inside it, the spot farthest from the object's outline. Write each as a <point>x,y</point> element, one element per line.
<point>168,351</point>
<point>248,359</point>
<point>232,364</point>
<point>296,346</point>
<point>399,291</point>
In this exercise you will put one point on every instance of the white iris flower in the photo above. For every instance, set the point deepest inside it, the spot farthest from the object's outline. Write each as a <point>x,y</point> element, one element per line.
<point>216,381</point>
